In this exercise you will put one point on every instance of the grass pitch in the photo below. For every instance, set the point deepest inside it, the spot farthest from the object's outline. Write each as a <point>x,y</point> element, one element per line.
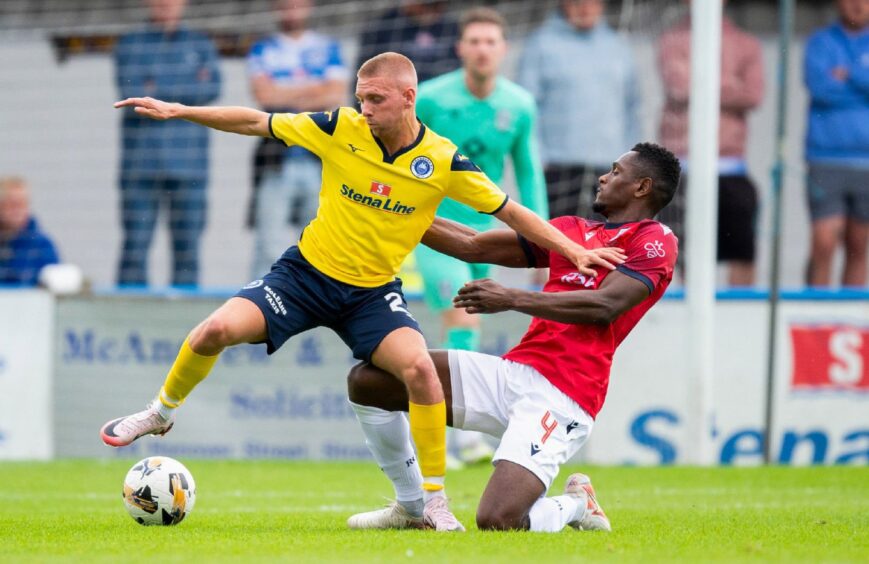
<point>296,512</point>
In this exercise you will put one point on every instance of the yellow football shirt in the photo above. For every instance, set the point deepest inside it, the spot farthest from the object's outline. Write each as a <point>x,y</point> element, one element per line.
<point>375,207</point>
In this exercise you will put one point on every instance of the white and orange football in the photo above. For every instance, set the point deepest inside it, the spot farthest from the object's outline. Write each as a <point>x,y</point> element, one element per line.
<point>159,490</point>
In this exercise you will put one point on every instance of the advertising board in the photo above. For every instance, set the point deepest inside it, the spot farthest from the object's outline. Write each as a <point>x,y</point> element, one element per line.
<point>113,353</point>
<point>26,326</point>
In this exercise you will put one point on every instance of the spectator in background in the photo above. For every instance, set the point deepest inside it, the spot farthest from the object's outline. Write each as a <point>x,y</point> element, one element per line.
<point>583,76</point>
<point>24,248</point>
<point>837,145</point>
<point>164,164</point>
<point>294,70</point>
<point>741,91</point>
<point>419,30</point>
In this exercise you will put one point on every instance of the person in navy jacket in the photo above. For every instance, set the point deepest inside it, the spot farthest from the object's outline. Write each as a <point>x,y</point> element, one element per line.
<point>24,248</point>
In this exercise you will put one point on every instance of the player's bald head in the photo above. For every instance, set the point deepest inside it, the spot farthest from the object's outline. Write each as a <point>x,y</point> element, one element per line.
<point>11,183</point>
<point>14,204</point>
<point>390,65</point>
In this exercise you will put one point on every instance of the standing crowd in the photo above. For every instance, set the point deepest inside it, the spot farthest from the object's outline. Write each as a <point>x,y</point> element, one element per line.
<point>577,78</point>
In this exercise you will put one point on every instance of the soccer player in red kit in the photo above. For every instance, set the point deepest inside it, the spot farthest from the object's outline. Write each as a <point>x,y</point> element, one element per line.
<point>541,397</point>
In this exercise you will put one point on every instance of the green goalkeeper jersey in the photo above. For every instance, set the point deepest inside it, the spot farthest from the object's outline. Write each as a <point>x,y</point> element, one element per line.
<point>486,131</point>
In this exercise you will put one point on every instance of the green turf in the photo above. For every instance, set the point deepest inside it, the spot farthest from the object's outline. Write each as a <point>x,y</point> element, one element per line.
<point>281,511</point>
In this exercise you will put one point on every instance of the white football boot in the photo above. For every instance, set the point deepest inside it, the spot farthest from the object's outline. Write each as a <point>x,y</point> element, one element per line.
<point>593,518</point>
<point>437,516</point>
<point>393,516</point>
<point>123,431</point>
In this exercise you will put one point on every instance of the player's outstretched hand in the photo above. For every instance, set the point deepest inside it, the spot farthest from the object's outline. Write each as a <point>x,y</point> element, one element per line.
<point>606,257</point>
<point>150,107</point>
<point>484,296</point>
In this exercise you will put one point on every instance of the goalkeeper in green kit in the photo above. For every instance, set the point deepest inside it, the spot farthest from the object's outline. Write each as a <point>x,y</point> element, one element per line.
<point>489,118</point>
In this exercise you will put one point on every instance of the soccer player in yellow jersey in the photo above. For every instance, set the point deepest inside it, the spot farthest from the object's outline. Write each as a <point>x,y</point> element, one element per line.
<point>384,175</point>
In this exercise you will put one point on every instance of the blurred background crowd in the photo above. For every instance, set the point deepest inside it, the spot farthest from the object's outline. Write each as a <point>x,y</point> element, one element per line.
<point>140,203</point>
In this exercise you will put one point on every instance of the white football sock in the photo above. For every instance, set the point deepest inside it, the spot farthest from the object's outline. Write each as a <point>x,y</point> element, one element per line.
<point>164,410</point>
<point>387,435</point>
<point>551,514</point>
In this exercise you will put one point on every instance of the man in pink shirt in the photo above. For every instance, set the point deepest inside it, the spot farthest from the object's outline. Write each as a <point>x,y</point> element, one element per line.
<point>741,91</point>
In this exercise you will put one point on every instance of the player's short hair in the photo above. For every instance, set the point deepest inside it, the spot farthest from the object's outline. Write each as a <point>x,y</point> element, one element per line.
<point>662,167</point>
<point>482,15</point>
<point>388,64</point>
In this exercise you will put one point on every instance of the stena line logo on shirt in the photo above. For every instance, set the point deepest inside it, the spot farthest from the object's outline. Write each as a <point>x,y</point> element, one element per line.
<point>373,200</point>
<point>380,188</point>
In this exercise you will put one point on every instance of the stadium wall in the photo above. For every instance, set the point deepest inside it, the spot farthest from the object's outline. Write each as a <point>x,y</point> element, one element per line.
<point>26,369</point>
<point>109,355</point>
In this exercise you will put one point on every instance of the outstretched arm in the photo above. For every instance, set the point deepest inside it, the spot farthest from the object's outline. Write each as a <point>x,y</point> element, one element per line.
<point>234,119</point>
<point>532,227</point>
<point>496,246</point>
<point>617,294</point>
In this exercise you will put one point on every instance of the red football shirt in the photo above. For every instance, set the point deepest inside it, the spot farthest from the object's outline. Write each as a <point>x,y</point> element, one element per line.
<point>576,358</point>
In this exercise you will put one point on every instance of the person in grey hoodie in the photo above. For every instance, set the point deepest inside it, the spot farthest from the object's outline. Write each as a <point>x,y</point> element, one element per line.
<point>583,77</point>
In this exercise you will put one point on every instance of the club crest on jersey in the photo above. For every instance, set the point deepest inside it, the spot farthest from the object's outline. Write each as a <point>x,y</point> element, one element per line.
<point>503,119</point>
<point>422,167</point>
<point>655,249</point>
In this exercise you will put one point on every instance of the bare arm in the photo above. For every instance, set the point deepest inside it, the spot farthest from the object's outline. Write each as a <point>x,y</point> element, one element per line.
<point>497,246</point>
<point>674,60</point>
<point>313,97</point>
<point>743,90</point>
<point>532,227</point>
<point>617,294</point>
<point>234,119</point>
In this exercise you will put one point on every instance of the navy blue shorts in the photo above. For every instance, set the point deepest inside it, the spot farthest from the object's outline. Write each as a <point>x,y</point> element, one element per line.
<point>295,297</point>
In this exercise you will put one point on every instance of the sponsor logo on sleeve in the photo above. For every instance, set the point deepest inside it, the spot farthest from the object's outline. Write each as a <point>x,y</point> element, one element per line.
<point>275,301</point>
<point>579,279</point>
